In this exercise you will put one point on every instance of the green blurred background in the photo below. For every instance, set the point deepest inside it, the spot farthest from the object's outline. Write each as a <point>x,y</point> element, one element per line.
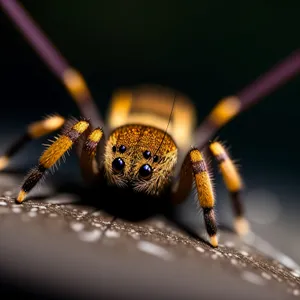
<point>206,49</point>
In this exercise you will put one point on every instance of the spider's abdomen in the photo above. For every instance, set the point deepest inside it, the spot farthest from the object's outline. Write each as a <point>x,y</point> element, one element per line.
<point>152,106</point>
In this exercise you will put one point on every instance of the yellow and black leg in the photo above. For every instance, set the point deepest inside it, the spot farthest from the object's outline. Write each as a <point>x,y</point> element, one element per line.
<point>88,160</point>
<point>34,131</point>
<point>53,58</point>
<point>194,167</point>
<point>51,156</point>
<point>234,184</point>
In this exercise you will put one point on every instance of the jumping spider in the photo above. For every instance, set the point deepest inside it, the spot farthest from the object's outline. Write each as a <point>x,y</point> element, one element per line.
<point>148,134</point>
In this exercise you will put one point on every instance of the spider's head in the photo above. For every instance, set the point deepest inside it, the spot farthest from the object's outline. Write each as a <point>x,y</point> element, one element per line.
<point>140,157</point>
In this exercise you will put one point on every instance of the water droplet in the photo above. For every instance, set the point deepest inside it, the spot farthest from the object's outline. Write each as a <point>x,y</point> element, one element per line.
<point>155,250</point>
<point>112,234</point>
<point>2,203</point>
<point>7,194</point>
<point>218,253</point>
<point>244,253</point>
<point>229,244</point>
<point>34,209</point>
<point>76,226</point>
<point>253,278</point>
<point>135,235</point>
<point>97,225</point>
<point>234,261</point>
<point>159,224</point>
<point>32,214</point>
<point>90,236</point>
<point>296,292</point>
<point>16,210</point>
<point>96,214</point>
<point>266,275</point>
<point>200,249</point>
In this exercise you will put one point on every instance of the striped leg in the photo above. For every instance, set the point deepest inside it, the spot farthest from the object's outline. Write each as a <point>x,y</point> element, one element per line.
<point>88,162</point>
<point>51,156</point>
<point>34,131</point>
<point>234,184</point>
<point>194,165</point>
<point>69,76</point>
<point>229,107</point>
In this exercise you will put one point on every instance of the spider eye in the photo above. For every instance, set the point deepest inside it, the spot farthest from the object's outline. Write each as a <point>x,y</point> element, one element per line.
<point>118,165</point>
<point>145,171</point>
<point>155,158</point>
<point>147,154</point>
<point>122,149</point>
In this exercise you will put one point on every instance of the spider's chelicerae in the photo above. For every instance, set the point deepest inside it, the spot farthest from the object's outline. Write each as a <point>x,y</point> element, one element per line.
<point>147,136</point>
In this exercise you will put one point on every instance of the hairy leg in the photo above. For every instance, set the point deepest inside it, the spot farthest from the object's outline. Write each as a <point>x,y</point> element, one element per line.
<point>33,131</point>
<point>194,168</point>
<point>234,185</point>
<point>52,155</point>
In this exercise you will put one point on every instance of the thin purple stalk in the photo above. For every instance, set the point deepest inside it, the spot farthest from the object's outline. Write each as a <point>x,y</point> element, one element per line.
<point>271,80</point>
<point>35,37</point>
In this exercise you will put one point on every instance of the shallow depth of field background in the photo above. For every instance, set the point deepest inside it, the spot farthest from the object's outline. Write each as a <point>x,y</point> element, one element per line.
<point>205,49</point>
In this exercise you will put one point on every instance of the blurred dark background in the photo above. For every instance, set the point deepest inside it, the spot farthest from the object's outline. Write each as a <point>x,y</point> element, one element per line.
<point>206,49</point>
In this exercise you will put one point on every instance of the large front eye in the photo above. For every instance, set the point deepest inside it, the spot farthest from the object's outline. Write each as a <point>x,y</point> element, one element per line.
<point>118,164</point>
<point>145,171</point>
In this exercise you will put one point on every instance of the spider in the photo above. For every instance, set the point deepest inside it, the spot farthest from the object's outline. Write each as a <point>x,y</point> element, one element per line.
<point>145,145</point>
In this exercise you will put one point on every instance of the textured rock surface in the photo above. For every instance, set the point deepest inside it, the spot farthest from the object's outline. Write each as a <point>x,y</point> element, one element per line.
<point>60,248</point>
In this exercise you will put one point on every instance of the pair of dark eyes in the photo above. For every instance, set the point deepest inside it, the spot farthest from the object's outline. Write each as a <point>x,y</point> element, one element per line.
<point>118,165</point>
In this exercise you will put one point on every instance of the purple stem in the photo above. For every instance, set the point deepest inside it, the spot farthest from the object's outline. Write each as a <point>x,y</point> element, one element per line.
<point>35,37</point>
<point>271,80</point>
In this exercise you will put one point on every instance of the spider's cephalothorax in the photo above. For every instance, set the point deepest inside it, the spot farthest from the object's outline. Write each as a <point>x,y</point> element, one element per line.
<point>141,157</point>
<point>150,132</point>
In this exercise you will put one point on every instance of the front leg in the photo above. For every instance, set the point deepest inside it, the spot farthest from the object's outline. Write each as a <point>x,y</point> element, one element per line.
<point>194,168</point>
<point>51,156</point>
